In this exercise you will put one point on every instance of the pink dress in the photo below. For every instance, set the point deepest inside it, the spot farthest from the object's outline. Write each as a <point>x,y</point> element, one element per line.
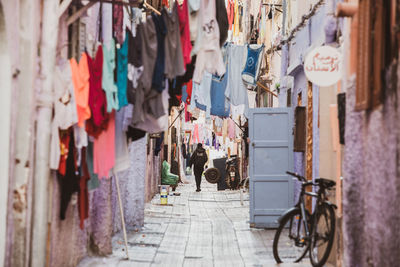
<point>184,27</point>
<point>104,149</point>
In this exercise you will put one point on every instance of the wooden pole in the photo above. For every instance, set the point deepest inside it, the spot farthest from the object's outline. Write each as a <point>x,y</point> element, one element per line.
<point>122,215</point>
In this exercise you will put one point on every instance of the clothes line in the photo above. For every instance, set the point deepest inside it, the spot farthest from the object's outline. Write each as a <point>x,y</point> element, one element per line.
<point>83,9</point>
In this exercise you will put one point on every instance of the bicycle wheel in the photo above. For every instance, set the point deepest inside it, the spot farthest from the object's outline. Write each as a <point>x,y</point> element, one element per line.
<point>290,242</point>
<point>322,235</point>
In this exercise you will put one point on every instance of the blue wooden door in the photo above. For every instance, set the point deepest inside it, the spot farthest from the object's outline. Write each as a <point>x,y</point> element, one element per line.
<point>271,155</point>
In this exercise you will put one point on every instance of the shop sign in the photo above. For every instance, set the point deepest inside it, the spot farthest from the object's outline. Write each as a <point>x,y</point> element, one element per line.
<point>323,66</point>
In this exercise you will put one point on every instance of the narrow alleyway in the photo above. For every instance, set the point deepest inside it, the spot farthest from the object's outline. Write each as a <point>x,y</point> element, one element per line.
<point>209,228</point>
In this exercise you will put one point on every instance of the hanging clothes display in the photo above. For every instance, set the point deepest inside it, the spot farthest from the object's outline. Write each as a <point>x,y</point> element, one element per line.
<point>83,197</point>
<point>158,82</point>
<point>209,56</point>
<point>121,145</point>
<point>224,131</point>
<point>69,182</point>
<point>122,71</point>
<point>149,55</point>
<point>65,114</point>
<point>202,94</point>
<point>231,129</point>
<point>93,183</point>
<point>231,13</point>
<point>80,79</point>
<point>135,65</point>
<point>236,91</point>
<point>104,150</point>
<point>174,62</point>
<point>185,31</point>
<point>108,84</point>
<point>118,22</point>
<point>195,134</point>
<point>236,19</point>
<point>155,125</point>
<point>253,62</point>
<point>222,19</point>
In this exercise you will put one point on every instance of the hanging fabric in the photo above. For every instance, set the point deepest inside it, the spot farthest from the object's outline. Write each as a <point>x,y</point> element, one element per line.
<point>185,31</point>
<point>174,62</point>
<point>97,97</point>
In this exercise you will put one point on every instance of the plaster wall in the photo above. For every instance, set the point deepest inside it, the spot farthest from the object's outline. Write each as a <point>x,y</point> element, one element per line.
<point>308,37</point>
<point>371,186</point>
<point>22,35</point>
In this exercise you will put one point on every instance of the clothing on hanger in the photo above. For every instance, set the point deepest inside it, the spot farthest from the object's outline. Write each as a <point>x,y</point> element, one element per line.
<point>122,70</point>
<point>108,83</point>
<point>80,79</point>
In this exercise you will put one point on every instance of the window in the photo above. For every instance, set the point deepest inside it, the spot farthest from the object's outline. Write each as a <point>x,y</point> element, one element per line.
<point>289,97</point>
<point>374,21</point>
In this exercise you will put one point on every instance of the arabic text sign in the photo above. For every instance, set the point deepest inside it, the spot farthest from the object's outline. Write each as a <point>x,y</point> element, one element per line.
<point>323,66</point>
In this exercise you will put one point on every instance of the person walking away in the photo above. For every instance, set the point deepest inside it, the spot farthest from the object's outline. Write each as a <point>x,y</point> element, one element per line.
<point>198,159</point>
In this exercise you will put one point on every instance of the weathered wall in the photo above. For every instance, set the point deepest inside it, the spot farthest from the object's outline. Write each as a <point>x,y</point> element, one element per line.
<point>371,187</point>
<point>132,186</point>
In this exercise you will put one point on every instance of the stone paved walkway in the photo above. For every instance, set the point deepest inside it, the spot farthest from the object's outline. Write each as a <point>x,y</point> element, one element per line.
<point>209,228</point>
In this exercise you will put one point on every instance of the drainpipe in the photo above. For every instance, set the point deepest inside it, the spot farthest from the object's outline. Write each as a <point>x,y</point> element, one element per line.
<point>42,148</point>
<point>284,18</point>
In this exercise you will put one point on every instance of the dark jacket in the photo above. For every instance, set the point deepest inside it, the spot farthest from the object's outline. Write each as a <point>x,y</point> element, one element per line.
<point>199,159</point>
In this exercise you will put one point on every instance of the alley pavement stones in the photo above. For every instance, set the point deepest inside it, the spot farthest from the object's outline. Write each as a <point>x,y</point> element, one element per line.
<point>207,228</point>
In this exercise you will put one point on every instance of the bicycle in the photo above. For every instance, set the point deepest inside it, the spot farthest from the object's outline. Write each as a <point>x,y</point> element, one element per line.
<point>300,232</point>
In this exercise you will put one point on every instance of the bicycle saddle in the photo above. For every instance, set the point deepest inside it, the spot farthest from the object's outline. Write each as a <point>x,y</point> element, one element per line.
<point>325,182</point>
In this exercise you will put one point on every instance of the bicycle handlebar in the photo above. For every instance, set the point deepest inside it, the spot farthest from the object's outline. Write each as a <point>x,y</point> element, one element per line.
<point>299,177</point>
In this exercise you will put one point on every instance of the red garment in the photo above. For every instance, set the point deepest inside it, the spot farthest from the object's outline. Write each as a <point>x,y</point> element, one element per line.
<point>231,12</point>
<point>64,148</point>
<point>97,96</point>
<point>189,87</point>
<point>184,27</point>
<point>165,3</point>
<point>83,198</point>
